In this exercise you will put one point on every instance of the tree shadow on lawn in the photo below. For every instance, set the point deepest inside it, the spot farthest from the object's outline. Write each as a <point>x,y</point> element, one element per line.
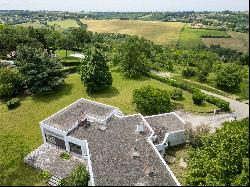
<point>64,89</point>
<point>107,93</point>
<point>141,78</point>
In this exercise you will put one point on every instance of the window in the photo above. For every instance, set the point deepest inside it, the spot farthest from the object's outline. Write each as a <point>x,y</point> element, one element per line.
<point>55,140</point>
<point>75,148</point>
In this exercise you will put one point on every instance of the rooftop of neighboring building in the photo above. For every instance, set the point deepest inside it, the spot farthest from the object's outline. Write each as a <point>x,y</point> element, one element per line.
<point>77,112</point>
<point>164,123</point>
<point>122,156</point>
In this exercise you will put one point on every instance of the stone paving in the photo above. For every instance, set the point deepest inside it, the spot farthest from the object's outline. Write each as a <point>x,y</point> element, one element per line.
<point>47,157</point>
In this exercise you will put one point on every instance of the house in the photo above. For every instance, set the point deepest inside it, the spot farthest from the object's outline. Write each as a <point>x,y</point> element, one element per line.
<point>197,26</point>
<point>117,149</point>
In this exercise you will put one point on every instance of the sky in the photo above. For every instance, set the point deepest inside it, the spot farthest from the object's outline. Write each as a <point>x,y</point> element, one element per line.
<point>125,5</point>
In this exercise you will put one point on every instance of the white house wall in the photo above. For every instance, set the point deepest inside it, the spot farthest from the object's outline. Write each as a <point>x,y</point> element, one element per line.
<point>175,138</point>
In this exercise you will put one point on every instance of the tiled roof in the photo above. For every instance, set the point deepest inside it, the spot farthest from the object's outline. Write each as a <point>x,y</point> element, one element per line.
<point>164,123</point>
<point>122,156</point>
<point>78,111</point>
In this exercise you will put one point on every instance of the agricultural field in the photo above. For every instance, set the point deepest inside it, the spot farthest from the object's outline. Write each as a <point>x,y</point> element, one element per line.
<point>165,33</point>
<point>238,41</point>
<point>191,38</point>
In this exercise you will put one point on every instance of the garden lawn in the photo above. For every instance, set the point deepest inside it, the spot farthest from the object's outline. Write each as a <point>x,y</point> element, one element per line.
<point>190,38</point>
<point>24,120</point>
<point>61,54</point>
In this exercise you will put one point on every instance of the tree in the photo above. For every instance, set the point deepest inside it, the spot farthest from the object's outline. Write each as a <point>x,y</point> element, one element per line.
<point>204,67</point>
<point>79,177</point>
<point>94,71</point>
<point>189,72</point>
<point>222,158</point>
<point>133,56</point>
<point>80,35</point>
<point>229,77</point>
<point>65,42</point>
<point>164,61</point>
<point>150,100</point>
<point>42,75</point>
<point>11,37</point>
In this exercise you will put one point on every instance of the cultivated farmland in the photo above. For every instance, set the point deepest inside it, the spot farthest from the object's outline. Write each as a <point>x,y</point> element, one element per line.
<point>238,41</point>
<point>165,33</point>
<point>191,38</point>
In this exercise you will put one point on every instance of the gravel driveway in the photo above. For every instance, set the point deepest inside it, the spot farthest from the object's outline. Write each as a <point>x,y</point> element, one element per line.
<point>239,109</point>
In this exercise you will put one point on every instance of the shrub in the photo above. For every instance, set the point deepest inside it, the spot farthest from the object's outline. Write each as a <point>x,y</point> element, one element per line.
<point>176,94</point>
<point>79,177</point>
<point>65,155</point>
<point>194,135</point>
<point>11,81</point>
<point>189,72</point>
<point>13,103</point>
<point>6,91</point>
<point>62,182</point>
<point>46,175</point>
<point>151,100</point>
<point>197,97</point>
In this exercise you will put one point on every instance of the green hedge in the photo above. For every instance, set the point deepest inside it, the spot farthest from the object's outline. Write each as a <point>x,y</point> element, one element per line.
<point>224,105</point>
<point>176,94</point>
<point>218,102</point>
<point>171,82</point>
<point>214,36</point>
<point>71,69</point>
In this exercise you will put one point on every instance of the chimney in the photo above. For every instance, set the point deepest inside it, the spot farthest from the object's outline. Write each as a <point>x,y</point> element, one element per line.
<point>140,128</point>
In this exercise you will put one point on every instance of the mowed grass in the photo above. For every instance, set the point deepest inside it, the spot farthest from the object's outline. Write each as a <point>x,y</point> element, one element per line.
<point>30,24</point>
<point>165,33</point>
<point>191,38</point>
<point>24,120</point>
<point>238,41</point>
<point>64,24</point>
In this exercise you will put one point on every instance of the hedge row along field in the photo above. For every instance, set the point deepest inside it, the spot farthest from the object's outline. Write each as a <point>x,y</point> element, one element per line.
<point>222,104</point>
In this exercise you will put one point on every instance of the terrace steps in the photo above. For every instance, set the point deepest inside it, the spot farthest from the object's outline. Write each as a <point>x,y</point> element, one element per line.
<point>54,181</point>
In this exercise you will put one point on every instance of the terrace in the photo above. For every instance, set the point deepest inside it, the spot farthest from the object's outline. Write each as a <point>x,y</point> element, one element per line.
<point>47,157</point>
